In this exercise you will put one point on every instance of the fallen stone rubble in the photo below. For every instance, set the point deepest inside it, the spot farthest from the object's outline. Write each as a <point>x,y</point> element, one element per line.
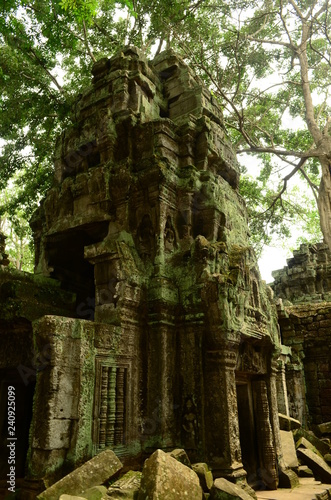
<point>304,453</point>
<point>171,476</point>
<point>165,476</point>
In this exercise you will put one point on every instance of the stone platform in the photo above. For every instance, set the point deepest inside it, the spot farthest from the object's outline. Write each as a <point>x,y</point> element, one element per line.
<point>309,489</point>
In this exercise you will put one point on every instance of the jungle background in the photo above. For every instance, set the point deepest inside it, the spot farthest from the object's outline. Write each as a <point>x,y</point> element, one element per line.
<point>266,62</point>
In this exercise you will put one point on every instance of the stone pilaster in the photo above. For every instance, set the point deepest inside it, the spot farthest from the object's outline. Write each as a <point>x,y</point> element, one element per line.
<point>273,392</point>
<point>161,382</point>
<point>61,426</point>
<point>221,415</point>
<point>265,414</point>
<point>282,397</point>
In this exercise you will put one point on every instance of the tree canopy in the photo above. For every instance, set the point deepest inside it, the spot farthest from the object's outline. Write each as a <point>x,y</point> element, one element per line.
<point>268,63</point>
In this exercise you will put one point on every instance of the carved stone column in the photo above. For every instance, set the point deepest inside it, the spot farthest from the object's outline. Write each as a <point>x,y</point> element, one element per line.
<point>282,397</point>
<point>221,415</point>
<point>160,416</point>
<point>296,384</point>
<point>268,467</point>
<point>274,373</point>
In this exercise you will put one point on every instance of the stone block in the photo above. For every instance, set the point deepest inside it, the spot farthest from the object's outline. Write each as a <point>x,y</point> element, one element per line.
<point>95,493</point>
<point>321,470</point>
<point>288,447</point>
<point>70,497</point>
<point>181,456</point>
<point>322,446</point>
<point>224,490</point>
<point>325,323</point>
<point>93,473</point>
<point>57,435</point>
<point>126,487</point>
<point>304,471</point>
<point>189,102</point>
<point>304,443</point>
<point>205,476</point>
<point>163,477</point>
<point>324,428</point>
<point>288,423</point>
<point>288,479</point>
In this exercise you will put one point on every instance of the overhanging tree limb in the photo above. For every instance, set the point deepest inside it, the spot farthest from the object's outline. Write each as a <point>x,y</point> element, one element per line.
<point>315,153</point>
<point>87,45</point>
<point>285,181</point>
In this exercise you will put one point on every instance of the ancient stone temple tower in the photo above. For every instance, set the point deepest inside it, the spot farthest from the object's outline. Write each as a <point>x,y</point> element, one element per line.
<point>173,341</point>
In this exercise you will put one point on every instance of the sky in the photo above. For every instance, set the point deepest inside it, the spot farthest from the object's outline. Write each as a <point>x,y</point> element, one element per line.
<point>272,259</point>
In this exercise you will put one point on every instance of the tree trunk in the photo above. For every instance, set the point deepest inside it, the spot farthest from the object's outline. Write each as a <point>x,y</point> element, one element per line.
<point>324,200</point>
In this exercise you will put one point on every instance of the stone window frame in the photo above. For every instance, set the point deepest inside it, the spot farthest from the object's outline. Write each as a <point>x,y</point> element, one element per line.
<point>111,408</point>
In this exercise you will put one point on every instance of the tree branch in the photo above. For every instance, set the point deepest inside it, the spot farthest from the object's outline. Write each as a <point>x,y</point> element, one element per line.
<point>285,82</point>
<point>271,42</point>
<point>248,139</point>
<point>89,51</point>
<point>303,60</point>
<point>323,9</point>
<point>31,51</point>
<point>103,31</point>
<point>285,181</point>
<point>322,56</point>
<point>284,23</point>
<point>54,80</point>
<point>313,186</point>
<point>327,126</point>
<point>315,153</point>
<point>297,10</point>
<point>265,16</point>
<point>239,68</point>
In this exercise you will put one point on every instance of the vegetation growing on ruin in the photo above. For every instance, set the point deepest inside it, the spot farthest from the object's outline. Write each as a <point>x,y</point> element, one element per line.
<point>267,63</point>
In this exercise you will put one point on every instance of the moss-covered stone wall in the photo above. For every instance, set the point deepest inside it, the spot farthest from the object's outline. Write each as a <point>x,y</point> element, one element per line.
<point>175,339</point>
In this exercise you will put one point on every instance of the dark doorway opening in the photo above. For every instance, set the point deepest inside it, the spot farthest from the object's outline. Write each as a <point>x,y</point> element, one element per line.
<point>65,255</point>
<point>247,430</point>
<point>23,399</point>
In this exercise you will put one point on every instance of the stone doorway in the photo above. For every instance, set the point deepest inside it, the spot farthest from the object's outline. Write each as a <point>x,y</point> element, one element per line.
<point>247,430</point>
<point>67,264</point>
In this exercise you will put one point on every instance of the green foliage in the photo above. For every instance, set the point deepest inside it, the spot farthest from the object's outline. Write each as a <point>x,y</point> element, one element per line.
<point>47,48</point>
<point>271,222</point>
<point>82,10</point>
<point>15,225</point>
<point>19,245</point>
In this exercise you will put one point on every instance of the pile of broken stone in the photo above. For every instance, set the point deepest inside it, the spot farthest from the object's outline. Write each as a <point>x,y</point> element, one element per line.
<point>165,476</point>
<point>171,476</point>
<point>305,453</point>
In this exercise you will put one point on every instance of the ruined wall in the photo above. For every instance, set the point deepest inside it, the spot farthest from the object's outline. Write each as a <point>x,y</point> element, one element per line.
<point>175,341</point>
<point>307,276</point>
<point>23,299</point>
<point>305,320</point>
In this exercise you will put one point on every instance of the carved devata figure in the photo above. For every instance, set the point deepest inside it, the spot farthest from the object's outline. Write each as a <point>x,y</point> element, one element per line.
<point>169,236</point>
<point>146,238</point>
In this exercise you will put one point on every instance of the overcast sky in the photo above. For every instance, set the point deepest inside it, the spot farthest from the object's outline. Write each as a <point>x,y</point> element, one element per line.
<point>272,259</point>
